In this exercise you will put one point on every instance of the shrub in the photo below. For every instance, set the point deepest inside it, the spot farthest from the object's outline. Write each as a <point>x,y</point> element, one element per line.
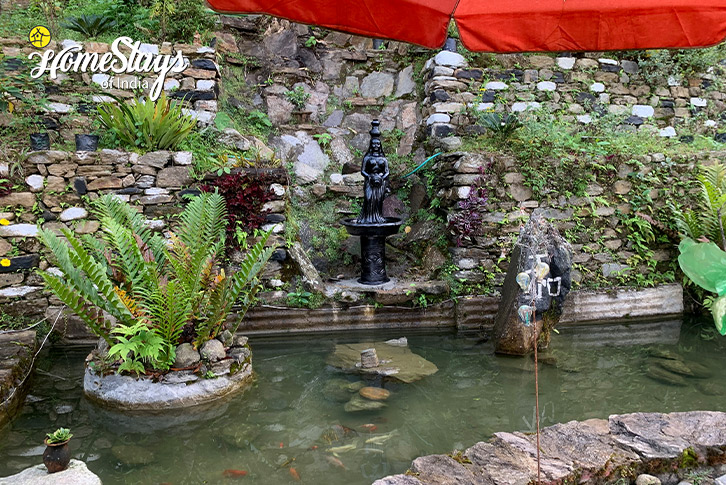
<point>188,18</point>
<point>298,96</point>
<point>156,290</point>
<point>708,218</point>
<point>245,196</point>
<point>147,125</point>
<point>90,25</point>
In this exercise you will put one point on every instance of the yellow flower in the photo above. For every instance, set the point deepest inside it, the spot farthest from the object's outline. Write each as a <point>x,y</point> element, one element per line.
<point>4,222</point>
<point>5,262</point>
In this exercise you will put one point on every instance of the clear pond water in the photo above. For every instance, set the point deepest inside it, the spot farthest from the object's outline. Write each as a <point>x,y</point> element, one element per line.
<point>293,417</point>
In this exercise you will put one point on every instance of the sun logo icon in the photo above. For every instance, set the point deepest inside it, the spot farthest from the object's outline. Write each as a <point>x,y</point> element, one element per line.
<point>39,36</point>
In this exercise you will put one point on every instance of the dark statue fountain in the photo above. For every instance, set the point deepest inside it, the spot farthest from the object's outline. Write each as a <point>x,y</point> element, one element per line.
<point>371,225</point>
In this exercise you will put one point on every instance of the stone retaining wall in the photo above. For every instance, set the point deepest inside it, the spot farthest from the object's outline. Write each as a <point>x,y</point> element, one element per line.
<point>580,87</point>
<point>16,360</point>
<point>60,186</point>
<point>71,97</point>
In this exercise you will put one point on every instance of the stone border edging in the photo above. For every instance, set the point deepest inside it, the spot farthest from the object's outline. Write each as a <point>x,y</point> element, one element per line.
<point>592,451</point>
<point>126,393</point>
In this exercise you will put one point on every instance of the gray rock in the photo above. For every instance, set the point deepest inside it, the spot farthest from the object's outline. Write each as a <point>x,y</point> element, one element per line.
<point>451,59</point>
<point>377,85</point>
<point>398,480</point>
<point>240,341</point>
<point>155,159</point>
<point>73,213</point>
<point>311,278</point>
<point>186,356</point>
<point>77,473</point>
<point>282,43</point>
<point>312,155</point>
<point>306,174</point>
<point>645,479</point>
<point>35,182</point>
<point>174,177</point>
<point>340,151</point>
<point>19,230</point>
<point>335,119</point>
<point>279,110</point>
<point>233,139</point>
<point>226,338</point>
<point>612,269</point>
<point>239,354</point>
<point>406,84</point>
<point>212,351</point>
<point>721,480</point>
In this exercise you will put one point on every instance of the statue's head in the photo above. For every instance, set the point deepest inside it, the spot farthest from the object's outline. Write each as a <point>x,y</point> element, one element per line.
<point>375,148</point>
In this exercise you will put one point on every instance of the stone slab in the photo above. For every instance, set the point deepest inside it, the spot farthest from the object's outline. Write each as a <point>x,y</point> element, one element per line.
<point>77,473</point>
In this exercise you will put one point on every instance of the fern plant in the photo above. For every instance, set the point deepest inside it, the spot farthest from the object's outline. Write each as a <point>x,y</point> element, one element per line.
<point>90,25</point>
<point>147,125</point>
<point>708,218</point>
<point>153,289</point>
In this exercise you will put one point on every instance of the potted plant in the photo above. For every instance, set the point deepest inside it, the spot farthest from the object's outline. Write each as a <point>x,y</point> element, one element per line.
<point>39,136</point>
<point>57,454</point>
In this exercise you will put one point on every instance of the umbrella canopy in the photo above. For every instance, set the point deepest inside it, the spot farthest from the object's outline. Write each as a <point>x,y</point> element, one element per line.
<point>511,25</point>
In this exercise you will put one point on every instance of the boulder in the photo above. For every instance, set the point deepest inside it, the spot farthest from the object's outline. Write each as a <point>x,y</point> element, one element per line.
<point>77,473</point>
<point>534,290</point>
<point>186,356</point>
<point>213,350</point>
<point>396,362</point>
<point>358,403</point>
<point>233,139</point>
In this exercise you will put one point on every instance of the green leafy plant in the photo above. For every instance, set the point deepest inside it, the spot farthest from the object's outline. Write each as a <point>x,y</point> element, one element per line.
<point>708,218</point>
<point>147,125</point>
<point>323,138</point>
<point>137,345</point>
<point>90,26</point>
<point>501,126</point>
<point>187,19</point>
<point>311,41</point>
<point>298,96</point>
<point>172,288</point>
<point>61,435</point>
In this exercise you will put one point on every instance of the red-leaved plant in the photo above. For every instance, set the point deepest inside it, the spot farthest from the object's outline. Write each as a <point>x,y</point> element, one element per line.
<point>245,196</point>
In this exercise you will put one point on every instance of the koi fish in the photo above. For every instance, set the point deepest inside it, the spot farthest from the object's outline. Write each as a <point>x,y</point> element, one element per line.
<point>379,440</point>
<point>341,449</point>
<point>313,448</point>
<point>282,445</point>
<point>369,427</point>
<point>294,474</point>
<point>335,462</point>
<point>232,473</point>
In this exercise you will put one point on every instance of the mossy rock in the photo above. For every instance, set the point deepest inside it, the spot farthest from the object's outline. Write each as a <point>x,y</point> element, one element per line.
<point>396,362</point>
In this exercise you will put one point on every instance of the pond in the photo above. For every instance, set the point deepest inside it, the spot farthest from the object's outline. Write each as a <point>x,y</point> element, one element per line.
<point>293,417</point>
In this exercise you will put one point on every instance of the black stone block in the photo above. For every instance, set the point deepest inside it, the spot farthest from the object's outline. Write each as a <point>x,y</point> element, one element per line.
<point>80,185</point>
<point>21,263</point>
<point>205,64</point>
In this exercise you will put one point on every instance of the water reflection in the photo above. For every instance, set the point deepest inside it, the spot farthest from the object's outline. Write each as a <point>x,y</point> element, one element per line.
<point>291,423</point>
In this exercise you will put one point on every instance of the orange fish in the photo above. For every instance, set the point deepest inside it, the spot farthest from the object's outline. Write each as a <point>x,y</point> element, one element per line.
<point>294,474</point>
<point>369,427</point>
<point>314,447</point>
<point>282,445</point>
<point>232,473</point>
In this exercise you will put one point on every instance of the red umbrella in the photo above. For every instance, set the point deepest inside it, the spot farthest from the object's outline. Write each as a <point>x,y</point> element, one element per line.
<point>511,25</point>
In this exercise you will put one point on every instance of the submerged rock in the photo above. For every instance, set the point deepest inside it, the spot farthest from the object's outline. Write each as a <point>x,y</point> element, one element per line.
<point>133,454</point>
<point>659,374</point>
<point>396,362</point>
<point>358,403</point>
<point>675,366</point>
<point>374,393</point>
<point>664,354</point>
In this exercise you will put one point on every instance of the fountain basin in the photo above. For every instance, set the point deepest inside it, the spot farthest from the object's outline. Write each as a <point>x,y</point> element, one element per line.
<point>388,228</point>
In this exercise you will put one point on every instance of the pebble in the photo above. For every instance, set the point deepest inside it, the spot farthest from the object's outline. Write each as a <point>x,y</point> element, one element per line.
<point>375,393</point>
